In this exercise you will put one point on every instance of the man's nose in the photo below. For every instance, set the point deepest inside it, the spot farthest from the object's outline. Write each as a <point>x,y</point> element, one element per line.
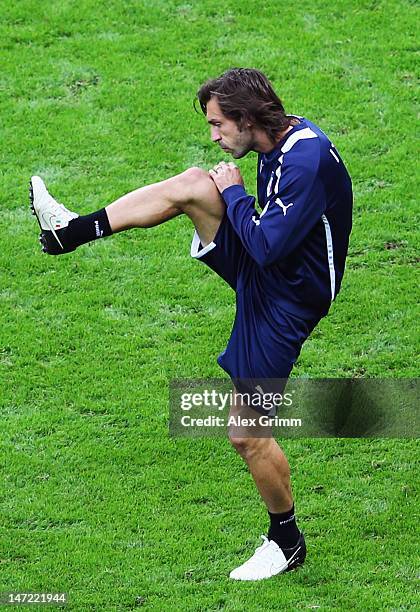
<point>215,136</point>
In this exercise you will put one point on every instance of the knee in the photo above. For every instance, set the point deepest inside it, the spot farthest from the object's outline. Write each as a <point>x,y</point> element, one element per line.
<point>241,445</point>
<point>194,175</point>
<point>195,185</point>
<point>248,447</point>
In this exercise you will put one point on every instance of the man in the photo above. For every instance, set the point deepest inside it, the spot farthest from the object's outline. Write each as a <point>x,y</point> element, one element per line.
<point>285,263</point>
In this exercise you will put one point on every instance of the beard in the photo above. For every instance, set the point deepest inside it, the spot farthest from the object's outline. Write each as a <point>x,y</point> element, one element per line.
<point>238,153</point>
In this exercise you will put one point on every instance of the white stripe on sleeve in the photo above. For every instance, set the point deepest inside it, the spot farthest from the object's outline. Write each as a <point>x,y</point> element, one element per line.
<point>330,255</point>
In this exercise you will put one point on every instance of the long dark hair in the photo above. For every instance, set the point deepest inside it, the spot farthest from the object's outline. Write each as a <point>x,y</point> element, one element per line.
<point>246,95</point>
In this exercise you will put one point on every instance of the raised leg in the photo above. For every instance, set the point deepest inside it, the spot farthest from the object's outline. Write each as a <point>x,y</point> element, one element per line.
<point>193,192</point>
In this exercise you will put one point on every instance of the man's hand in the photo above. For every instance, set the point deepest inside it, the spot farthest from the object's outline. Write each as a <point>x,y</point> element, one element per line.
<point>225,175</point>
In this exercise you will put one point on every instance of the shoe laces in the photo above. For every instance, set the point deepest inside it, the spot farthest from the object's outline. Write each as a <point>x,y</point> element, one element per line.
<point>60,210</point>
<point>256,557</point>
<point>265,543</point>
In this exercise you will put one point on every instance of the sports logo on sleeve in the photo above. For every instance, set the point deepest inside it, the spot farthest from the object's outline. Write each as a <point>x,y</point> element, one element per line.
<point>284,207</point>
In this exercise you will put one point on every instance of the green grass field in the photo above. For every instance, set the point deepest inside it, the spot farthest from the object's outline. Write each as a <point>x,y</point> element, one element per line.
<point>95,498</point>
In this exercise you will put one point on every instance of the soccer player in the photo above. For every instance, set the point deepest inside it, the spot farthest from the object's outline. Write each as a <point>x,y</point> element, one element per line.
<point>285,263</point>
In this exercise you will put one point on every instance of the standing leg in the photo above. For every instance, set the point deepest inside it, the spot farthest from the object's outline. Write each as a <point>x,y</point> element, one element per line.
<point>266,461</point>
<point>284,548</point>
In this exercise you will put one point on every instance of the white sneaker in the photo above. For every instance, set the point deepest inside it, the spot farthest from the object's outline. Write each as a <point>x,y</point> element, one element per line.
<point>269,560</point>
<point>52,217</point>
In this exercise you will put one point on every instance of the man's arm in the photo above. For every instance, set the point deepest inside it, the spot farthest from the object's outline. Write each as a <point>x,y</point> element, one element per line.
<point>291,211</point>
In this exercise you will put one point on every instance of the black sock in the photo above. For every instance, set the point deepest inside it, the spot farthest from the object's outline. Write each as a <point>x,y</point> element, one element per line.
<point>283,529</point>
<point>87,228</point>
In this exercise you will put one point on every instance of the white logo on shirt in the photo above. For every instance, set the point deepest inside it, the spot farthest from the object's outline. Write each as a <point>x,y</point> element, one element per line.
<point>283,207</point>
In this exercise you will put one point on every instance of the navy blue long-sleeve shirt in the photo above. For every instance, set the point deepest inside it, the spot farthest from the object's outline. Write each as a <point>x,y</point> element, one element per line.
<point>299,240</point>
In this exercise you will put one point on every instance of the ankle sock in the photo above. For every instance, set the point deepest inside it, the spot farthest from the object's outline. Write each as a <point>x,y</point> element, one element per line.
<point>283,529</point>
<point>87,228</point>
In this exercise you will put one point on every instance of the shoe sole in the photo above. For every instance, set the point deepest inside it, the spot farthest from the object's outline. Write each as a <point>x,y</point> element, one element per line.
<point>295,565</point>
<point>42,236</point>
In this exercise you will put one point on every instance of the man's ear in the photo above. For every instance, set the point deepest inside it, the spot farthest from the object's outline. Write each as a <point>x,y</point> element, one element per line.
<point>245,123</point>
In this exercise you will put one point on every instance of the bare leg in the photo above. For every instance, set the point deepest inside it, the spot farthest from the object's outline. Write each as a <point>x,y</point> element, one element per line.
<point>266,462</point>
<point>192,192</point>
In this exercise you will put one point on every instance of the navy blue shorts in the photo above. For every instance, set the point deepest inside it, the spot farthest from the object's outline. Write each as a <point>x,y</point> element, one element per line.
<point>265,340</point>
